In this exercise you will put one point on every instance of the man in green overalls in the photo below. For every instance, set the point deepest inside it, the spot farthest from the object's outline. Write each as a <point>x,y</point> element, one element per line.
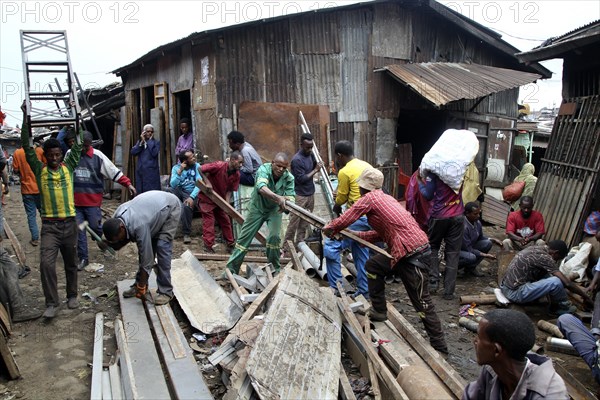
<point>274,185</point>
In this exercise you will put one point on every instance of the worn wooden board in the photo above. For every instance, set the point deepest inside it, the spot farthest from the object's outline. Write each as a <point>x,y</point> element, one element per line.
<point>207,306</point>
<point>8,360</point>
<point>494,211</point>
<point>16,244</point>
<point>144,362</point>
<point>184,376</point>
<point>297,353</point>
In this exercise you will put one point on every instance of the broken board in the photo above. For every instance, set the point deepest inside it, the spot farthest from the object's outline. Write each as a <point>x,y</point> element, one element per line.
<point>144,362</point>
<point>207,306</point>
<point>297,353</point>
<point>185,377</point>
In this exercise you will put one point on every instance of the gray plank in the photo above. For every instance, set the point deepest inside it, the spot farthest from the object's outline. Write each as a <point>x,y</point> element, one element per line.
<point>207,306</point>
<point>185,377</point>
<point>297,353</point>
<point>144,362</point>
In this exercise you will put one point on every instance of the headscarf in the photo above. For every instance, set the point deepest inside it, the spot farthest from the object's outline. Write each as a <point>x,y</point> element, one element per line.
<point>526,176</point>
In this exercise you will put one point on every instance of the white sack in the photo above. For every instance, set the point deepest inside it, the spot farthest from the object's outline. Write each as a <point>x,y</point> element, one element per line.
<point>576,261</point>
<point>450,156</point>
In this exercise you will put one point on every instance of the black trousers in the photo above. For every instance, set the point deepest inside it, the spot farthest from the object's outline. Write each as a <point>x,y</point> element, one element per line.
<point>415,280</point>
<point>451,231</point>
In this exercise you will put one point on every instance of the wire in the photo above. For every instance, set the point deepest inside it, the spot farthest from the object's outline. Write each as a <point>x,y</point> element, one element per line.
<point>517,37</point>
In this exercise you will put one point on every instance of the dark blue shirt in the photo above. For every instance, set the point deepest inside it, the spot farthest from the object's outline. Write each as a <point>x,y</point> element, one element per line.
<point>471,235</point>
<point>302,165</point>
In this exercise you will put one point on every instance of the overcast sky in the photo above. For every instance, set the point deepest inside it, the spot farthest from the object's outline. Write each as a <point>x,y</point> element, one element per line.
<point>105,35</point>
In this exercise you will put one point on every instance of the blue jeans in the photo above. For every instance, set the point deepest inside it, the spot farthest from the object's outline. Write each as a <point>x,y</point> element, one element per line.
<point>332,252</point>
<point>470,260</point>
<point>187,212</point>
<point>93,215</point>
<point>31,202</point>
<point>582,340</point>
<point>532,291</point>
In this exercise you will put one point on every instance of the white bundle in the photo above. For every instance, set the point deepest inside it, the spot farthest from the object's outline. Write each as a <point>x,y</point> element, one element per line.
<point>450,156</point>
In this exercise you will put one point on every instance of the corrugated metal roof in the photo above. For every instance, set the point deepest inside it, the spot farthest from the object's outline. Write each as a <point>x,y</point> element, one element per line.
<point>441,83</point>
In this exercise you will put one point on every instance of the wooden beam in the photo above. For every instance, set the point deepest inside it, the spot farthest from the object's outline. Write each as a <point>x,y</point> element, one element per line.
<point>229,210</point>
<point>96,390</point>
<point>576,390</point>
<point>372,376</point>
<point>345,391</point>
<point>247,258</point>
<point>382,371</point>
<point>436,362</point>
<point>15,244</point>
<point>294,253</point>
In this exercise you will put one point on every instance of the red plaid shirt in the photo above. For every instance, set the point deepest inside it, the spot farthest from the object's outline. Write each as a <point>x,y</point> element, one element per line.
<point>390,221</point>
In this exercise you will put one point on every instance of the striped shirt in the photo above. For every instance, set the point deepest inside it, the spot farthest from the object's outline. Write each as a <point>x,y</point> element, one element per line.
<point>530,265</point>
<point>390,221</point>
<point>56,186</point>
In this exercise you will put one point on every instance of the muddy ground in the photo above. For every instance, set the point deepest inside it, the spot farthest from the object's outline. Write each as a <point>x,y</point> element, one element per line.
<point>55,357</point>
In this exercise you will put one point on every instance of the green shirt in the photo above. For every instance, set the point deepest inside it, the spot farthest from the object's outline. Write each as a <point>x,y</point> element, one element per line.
<point>283,187</point>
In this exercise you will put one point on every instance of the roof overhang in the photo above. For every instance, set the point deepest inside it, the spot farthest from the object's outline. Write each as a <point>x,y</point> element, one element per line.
<point>558,48</point>
<point>442,83</point>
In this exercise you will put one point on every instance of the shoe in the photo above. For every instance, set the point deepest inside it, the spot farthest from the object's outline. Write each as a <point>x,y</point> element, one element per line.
<point>73,303</point>
<point>230,248</point>
<point>50,312</point>
<point>441,349</point>
<point>564,307</point>
<point>135,291</point>
<point>474,272</point>
<point>25,314</point>
<point>187,239</point>
<point>34,242</point>
<point>448,297</point>
<point>161,299</point>
<point>208,249</point>
<point>23,272</point>
<point>377,316</point>
<point>434,286</point>
<point>82,264</point>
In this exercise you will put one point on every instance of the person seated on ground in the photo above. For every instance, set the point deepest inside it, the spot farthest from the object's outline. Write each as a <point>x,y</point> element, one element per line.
<point>510,371</point>
<point>475,246</point>
<point>184,176</point>
<point>526,176</point>
<point>534,273</point>
<point>11,295</point>
<point>591,227</point>
<point>525,227</point>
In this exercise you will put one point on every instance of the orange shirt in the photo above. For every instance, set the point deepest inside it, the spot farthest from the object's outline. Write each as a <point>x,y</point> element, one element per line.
<point>28,181</point>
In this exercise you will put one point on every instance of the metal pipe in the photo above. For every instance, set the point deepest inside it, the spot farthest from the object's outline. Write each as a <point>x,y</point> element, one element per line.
<point>560,346</point>
<point>346,274</point>
<point>322,271</point>
<point>309,255</point>
<point>310,271</point>
<point>550,328</point>
<point>468,324</point>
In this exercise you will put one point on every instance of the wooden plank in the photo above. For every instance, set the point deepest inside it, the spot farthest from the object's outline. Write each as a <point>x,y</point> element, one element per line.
<point>9,361</point>
<point>345,391</point>
<point>297,353</point>
<point>494,211</point>
<point>15,244</point>
<point>294,254</point>
<point>205,303</point>
<point>382,371</point>
<point>5,322</point>
<point>145,363</point>
<point>372,375</point>
<point>97,360</point>
<point>125,361</point>
<point>576,390</point>
<point>184,376</point>
<point>116,387</point>
<point>106,386</point>
<point>229,210</point>
<point>447,374</point>
<point>248,258</point>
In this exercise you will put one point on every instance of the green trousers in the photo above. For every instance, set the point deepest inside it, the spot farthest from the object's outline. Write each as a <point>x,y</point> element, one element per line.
<point>254,220</point>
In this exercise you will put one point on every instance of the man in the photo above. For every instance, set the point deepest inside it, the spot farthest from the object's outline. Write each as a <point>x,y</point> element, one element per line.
<point>409,249</point>
<point>445,223</point>
<point>525,227</point>
<point>147,175</point>
<point>274,185</point>
<point>29,190</point>
<point>150,220</point>
<point>585,341</point>
<point>251,158</point>
<point>5,184</point>
<point>59,228</point>
<point>90,173</point>
<point>348,193</point>
<point>475,246</point>
<point>534,273</point>
<point>503,340</point>
<point>304,167</point>
<point>186,137</point>
<point>184,176</point>
<point>591,227</point>
<point>11,295</point>
<point>223,178</point>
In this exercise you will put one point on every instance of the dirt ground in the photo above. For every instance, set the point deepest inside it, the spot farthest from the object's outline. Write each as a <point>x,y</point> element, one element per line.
<point>55,357</point>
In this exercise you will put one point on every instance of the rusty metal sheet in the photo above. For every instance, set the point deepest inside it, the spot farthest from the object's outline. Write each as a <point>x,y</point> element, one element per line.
<point>392,31</point>
<point>318,79</point>
<point>315,34</point>
<point>441,83</point>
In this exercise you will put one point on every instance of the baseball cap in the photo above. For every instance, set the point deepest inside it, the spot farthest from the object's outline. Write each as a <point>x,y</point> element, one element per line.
<point>370,179</point>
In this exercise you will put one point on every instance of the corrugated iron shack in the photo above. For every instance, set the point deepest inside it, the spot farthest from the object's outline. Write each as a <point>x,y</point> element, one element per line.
<point>390,76</point>
<point>568,184</point>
